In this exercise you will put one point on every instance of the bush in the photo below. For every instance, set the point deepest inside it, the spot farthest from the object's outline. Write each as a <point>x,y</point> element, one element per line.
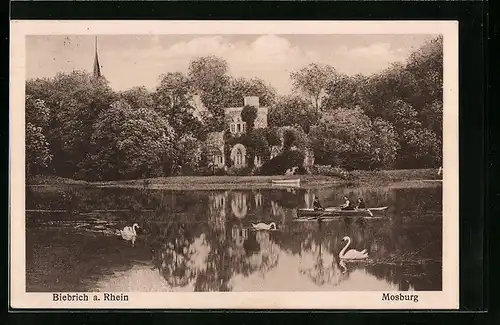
<point>220,172</point>
<point>233,171</point>
<point>281,163</point>
<point>326,170</point>
<point>197,171</point>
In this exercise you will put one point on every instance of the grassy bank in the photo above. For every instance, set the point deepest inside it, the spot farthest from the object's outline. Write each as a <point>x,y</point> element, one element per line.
<point>368,178</point>
<point>398,175</point>
<point>220,182</point>
<point>49,180</point>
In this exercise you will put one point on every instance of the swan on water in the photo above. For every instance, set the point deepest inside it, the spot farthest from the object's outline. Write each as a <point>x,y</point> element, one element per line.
<point>352,254</point>
<point>263,226</point>
<point>129,233</point>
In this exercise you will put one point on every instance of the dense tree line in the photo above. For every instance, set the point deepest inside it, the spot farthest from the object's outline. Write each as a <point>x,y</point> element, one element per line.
<point>77,126</point>
<point>392,119</point>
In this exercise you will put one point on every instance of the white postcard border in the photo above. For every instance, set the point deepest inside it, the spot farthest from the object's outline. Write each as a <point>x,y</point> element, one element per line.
<point>448,298</point>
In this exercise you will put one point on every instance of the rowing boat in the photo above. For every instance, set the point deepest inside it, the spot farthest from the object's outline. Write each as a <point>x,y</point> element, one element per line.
<point>333,218</point>
<point>334,211</point>
<point>286,182</point>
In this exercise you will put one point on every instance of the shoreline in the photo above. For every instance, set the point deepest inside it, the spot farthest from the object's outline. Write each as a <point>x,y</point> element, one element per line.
<point>358,178</point>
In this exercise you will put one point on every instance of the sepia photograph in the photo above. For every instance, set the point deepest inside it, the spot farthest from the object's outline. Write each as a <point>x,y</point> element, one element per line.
<point>289,165</point>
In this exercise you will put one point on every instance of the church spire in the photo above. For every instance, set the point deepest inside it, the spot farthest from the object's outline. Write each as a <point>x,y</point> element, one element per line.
<point>97,67</point>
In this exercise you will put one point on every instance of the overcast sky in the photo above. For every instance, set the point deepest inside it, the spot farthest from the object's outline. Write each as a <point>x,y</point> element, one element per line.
<point>129,61</point>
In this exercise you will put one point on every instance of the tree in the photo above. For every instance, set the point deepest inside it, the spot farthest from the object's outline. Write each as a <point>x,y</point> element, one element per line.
<point>188,151</point>
<point>293,136</point>
<point>38,154</point>
<point>289,139</point>
<point>129,143</point>
<point>36,111</point>
<point>386,144</point>
<point>260,142</point>
<point>426,67</point>
<point>41,88</point>
<point>312,81</point>
<point>272,136</point>
<point>403,116</point>
<point>255,143</point>
<point>75,100</point>
<point>248,115</point>
<point>138,97</point>
<point>173,99</point>
<point>210,79</point>
<point>432,117</point>
<point>343,91</point>
<point>344,137</point>
<point>290,110</point>
<point>420,148</point>
<point>241,87</point>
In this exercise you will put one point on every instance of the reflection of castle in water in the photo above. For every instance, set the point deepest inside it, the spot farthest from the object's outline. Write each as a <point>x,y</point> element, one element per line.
<point>218,211</point>
<point>276,209</point>
<point>232,248</point>
<point>239,205</point>
<point>239,235</point>
<point>242,202</point>
<point>238,201</point>
<point>258,199</point>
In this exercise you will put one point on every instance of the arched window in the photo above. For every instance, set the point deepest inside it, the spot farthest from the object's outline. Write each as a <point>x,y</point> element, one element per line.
<point>239,157</point>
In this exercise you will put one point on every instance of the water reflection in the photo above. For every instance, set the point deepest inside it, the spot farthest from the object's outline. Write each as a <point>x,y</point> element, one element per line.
<point>203,241</point>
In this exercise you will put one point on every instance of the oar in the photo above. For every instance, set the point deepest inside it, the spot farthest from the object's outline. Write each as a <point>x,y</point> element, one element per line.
<point>317,217</point>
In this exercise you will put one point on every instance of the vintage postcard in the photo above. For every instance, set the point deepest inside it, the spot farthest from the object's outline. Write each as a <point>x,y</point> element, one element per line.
<point>234,164</point>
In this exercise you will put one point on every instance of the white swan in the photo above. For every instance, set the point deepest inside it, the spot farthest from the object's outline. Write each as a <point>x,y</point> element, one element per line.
<point>129,233</point>
<point>263,226</point>
<point>352,254</point>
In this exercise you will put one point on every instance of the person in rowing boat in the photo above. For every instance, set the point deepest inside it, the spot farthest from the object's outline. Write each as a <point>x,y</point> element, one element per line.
<point>316,205</point>
<point>347,204</point>
<point>360,204</point>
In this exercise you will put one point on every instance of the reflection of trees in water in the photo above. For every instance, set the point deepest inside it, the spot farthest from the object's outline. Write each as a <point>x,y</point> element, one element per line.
<point>217,212</point>
<point>288,198</point>
<point>266,258</point>
<point>208,261</point>
<point>415,276</point>
<point>308,199</point>
<point>226,257</point>
<point>277,210</point>
<point>198,257</point>
<point>403,239</point>
<point>318,263</point>
<point>418,203</point>
<point>176,253</point>
<point>318,246</point>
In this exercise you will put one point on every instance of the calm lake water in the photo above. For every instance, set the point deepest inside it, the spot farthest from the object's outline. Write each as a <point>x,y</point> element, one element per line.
<point>203,240</point>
